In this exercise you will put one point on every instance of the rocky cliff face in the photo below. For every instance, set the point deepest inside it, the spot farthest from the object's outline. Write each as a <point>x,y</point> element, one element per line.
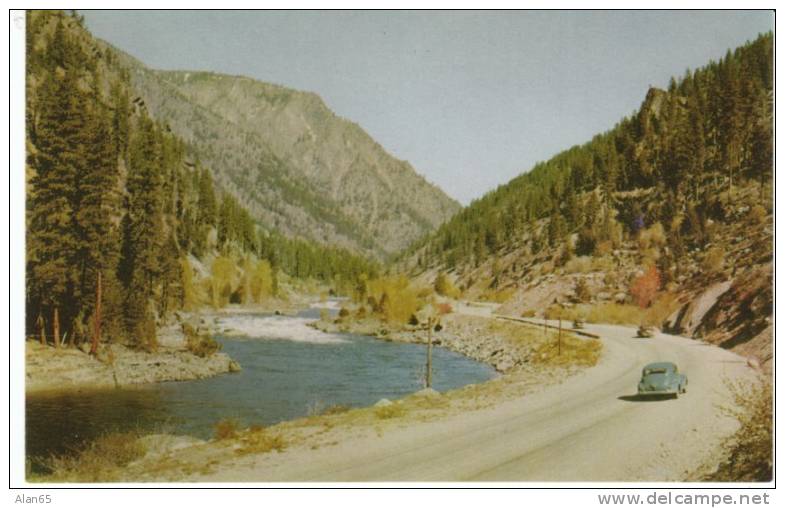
<point>296,165</point>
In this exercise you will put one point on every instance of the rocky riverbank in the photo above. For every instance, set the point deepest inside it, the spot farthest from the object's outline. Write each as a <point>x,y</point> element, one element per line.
<point>50,369</point>
<point>495,343</point>
<point>116,365</point>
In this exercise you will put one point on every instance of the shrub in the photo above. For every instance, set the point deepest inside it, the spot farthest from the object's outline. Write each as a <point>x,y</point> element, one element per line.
<point>652,237</point>
<point>582,292</point>
<point>397,299</point>
<point>580,264</point>
<point>225,429</point>
<point>714,260</point>
<point>390,411</point>
<point>443,308</point>
<point>259,440</point>
<point>361,312</point>
<point>203,345</point>
<point>757,214</point>
<point>645,287</point>
<point>101,460</point>
<point>750,449</point>
<point>445,287</point>
<point>528,313</point>
<point>343,313</point>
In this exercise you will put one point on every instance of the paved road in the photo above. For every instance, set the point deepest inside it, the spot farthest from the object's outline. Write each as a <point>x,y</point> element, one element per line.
<point>588,428</point>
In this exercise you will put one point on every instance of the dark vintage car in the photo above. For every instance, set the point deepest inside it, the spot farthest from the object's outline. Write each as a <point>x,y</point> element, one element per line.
<point>662,378</point>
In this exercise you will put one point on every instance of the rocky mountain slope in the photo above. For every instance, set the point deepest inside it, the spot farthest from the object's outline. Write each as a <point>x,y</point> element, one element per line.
<point>664,220</point>
<point>297,166</point>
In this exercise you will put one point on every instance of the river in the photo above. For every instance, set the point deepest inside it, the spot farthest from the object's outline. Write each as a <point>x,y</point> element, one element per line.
<point>289,370</point>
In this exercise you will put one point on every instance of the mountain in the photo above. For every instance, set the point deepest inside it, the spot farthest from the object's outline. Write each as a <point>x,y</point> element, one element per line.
<point>297,167</point>
<point>666,219</point>
<point>123,226</point>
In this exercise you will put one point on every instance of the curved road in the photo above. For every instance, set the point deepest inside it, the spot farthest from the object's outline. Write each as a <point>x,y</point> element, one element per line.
<point>588,428</point>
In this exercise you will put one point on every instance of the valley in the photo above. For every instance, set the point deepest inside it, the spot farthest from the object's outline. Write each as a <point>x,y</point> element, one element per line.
<point>226,281</point>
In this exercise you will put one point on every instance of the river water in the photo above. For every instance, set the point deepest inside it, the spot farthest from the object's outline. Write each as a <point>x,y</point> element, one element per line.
<point>289,370</point>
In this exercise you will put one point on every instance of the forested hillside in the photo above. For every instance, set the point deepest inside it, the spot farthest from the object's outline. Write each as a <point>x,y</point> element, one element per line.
<point>116,207</point>
<point>291,161</point>
<point>677,197</point>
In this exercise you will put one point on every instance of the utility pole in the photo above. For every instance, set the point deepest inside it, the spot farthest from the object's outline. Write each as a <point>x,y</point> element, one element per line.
<point>559,347</point>
<point>429,361</point>
<point>97,323</point>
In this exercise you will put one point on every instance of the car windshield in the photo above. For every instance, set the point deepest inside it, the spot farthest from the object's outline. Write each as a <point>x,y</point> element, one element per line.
<point>654,371</point>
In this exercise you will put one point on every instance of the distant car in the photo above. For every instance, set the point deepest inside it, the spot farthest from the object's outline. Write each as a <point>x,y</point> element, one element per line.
<point>578,324</point>
<point>645,331</point>
<point>662,378</point>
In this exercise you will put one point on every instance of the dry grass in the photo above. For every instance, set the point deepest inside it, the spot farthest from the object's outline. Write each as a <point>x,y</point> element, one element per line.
<point>260,440</point>
<point>102,460</point>
<point>501,296</point>
<point>750,448</point>
<point>573,351</point>
<point>619,313</point>
<point>394,410</point>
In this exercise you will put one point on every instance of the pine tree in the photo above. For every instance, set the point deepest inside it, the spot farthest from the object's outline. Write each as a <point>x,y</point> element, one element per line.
<point>144,233</point>
<point>57,160</point>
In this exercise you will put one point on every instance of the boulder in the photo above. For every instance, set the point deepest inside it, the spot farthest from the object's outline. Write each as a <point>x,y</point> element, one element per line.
<point>427,392</point>
<point>383,403</point>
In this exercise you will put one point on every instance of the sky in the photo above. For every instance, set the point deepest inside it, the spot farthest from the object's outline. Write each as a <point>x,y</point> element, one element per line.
<point>471,99</point>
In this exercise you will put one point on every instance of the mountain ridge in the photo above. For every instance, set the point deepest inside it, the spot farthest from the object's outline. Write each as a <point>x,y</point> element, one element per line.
<point>299,167</point>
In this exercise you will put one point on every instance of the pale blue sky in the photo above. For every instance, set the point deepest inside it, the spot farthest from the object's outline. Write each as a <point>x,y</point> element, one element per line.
<point>471,99</point>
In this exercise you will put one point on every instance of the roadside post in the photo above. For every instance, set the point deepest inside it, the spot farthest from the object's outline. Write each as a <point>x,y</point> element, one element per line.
<point>428,314</point>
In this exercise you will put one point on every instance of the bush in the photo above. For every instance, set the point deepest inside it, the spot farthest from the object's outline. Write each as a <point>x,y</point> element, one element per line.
<point>580,264</point>
<point>714,260</point>
<point>443,308</point>
<point>225,429</point>
<point>529,313</point>
<point>343,313</point>
<point>393,410</point>
<point>750,449</point>
<point>260,441</point>
<point>652,237</point>
<point>757,214</point>
<point>393,298</point>
<point>445,287</point>
<point>582,292</point>
<point>644,288</point>
<point>100,461</point>
<point>202,345</point>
